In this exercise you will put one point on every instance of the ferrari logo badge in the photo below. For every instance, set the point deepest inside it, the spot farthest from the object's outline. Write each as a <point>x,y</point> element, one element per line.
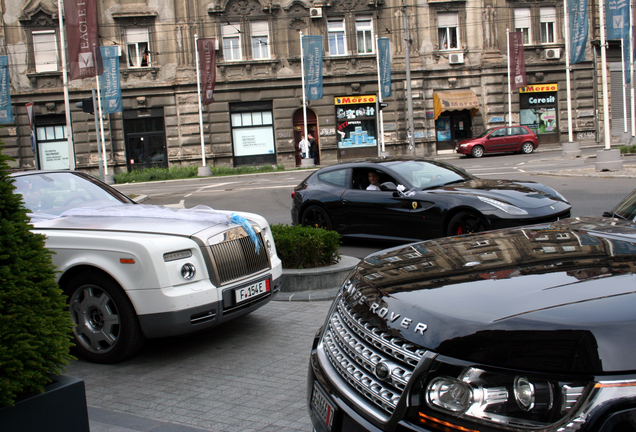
<point>414,204</point>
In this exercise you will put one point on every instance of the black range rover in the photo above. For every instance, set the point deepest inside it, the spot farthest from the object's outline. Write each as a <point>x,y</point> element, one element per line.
<point>524,329</point>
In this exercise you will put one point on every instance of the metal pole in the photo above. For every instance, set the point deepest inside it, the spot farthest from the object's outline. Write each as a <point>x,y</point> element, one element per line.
<point>380,116</point>
<point>624,85</point>
<point>100,159</point>
<point>409,92</point>
<point>196,50</point>
<point>67,105</point>
<point>302,74</point>
<point>606,122</point>
<point>631,64</point>
<point>567,69</point>
<point>101,126</point>
<point>509,87</point>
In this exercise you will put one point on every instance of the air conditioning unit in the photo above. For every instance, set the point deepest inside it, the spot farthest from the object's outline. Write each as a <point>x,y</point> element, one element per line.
<point>552,53</point>
<point>456,58</point>
<point>315,12</point>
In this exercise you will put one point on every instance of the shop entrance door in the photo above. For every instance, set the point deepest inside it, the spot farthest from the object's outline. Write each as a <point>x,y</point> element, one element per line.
<point>145,140</point>
<point>451,127</point>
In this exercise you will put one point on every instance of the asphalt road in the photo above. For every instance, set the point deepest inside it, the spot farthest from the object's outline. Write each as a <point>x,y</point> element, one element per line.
<point>270,194</point>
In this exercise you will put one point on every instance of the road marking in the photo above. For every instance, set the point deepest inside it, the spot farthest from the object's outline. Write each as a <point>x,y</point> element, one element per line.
<point>256,188</point>
<point>180,205</point>
<point>208,186</point>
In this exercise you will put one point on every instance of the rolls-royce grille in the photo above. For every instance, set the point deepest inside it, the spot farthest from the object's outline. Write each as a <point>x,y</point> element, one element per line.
<point>374,362</point>
<point>235,259</point>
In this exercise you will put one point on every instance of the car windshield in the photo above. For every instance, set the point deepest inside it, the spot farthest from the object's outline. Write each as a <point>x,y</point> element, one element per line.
<point>627,208</point>
<point>428,174</point>
<point>54,193</point>
<point>483,134</point>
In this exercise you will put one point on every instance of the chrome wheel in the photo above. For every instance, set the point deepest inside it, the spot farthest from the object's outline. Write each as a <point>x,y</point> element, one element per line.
<point>477,151</point>
<point>527,148</point>
<point>106,326</point>
<point>96,319</point>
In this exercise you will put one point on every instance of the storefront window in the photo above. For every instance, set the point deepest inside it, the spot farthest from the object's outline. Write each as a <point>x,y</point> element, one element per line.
<point>356,121</point>
<point>252,133</point>
<point>538,108</point>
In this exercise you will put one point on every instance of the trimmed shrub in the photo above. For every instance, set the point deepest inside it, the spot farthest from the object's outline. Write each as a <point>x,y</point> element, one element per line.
<point>628,149</point>
<point>301,247</point>
<point>35,326</point>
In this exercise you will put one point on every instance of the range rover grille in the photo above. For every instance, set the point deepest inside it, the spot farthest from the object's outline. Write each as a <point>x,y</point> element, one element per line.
<point>355,348</point>
<point>237,258</point>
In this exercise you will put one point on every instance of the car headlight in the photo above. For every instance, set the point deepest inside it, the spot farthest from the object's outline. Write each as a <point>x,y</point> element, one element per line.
<point>507,208</point>
<point>472,397</point>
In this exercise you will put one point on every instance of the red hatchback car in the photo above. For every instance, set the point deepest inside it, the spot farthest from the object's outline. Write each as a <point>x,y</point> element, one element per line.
<point>498,140</point>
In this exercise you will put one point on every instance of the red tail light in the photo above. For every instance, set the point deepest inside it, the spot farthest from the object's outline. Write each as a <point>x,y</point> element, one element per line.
<point>293,194</point>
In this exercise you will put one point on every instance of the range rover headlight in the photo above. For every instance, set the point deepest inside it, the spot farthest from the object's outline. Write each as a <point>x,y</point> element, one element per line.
<point>471,396</point>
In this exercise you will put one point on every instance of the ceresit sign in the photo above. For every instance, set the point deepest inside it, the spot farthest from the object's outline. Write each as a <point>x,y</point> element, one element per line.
<point>539,88</point>
<point>355,100</point>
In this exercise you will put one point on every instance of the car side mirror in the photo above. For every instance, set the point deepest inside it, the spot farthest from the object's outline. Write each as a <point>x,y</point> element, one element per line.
<point>608,214</point>
<point>388,186</point>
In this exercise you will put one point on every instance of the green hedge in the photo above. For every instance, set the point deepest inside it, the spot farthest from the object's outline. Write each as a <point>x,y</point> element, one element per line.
<point>35,326</point>
<point>302,247</point>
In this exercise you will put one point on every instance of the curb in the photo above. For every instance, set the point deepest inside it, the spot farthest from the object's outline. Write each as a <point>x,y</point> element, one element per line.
<point>322,283</point>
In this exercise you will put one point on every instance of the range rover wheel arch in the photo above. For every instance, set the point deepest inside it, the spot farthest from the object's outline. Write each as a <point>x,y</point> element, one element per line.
<point>106,327</point>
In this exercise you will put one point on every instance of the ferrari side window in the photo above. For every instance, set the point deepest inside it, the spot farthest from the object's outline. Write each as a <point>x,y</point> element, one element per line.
<point>336,178</point>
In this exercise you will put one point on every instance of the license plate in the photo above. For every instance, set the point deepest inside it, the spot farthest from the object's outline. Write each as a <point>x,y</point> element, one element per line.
<point>246,293</point>
<point>322,406</point>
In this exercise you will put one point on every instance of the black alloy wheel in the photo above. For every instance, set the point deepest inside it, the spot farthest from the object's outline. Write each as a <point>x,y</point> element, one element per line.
<point>465,222</point>
<point>317,217</point>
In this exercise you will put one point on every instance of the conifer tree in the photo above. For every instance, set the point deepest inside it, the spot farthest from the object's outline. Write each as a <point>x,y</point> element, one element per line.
<point>35,326</point>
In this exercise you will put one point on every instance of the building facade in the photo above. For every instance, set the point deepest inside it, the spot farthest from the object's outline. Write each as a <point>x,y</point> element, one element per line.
<point>457,53</point>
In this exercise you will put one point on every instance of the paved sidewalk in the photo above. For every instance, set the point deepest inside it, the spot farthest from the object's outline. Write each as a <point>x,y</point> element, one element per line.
<point>246,375</point>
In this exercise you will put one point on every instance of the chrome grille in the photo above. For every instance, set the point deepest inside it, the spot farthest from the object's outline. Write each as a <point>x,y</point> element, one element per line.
<point>355,347</point>
<point>237,258</point>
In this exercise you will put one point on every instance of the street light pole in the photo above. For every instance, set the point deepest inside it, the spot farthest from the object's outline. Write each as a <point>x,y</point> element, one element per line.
<point>409,92</point>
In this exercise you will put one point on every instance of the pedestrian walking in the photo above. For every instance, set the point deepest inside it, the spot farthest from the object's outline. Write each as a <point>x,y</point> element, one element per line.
<point>313,147</point>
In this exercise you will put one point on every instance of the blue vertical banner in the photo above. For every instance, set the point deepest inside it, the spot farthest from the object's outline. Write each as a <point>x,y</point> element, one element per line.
<point>578,29</point>
<point>384,59</point>
<point>312,58</point>
<point>110,81</point>
<point>617,19</point>
<point>6,114</point>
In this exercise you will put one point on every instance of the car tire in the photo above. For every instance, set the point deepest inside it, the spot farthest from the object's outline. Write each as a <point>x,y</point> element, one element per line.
<point>106,326</point>
<point>465,222</point>
<point>316,216</point>
<point>477,152</point>
<point>527,147</point>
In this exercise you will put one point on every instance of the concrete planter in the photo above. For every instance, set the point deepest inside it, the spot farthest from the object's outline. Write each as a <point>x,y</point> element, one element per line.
<point>321,283</point>
<point>61,408</point>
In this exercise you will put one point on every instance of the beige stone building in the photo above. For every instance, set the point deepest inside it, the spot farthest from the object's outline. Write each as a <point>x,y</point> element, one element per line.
<point>456,49</point>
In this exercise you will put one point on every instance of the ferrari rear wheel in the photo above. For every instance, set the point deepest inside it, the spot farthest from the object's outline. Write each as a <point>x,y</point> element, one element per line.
<point>316,216</point>
<point>477,152</point>
<point>465,222</point>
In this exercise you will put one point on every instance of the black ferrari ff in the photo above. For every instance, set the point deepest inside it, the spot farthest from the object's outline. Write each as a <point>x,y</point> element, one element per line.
<point>418,199</point>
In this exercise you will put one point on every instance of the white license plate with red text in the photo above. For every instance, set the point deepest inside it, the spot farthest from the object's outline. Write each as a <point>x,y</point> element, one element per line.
<point>322,406</point>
